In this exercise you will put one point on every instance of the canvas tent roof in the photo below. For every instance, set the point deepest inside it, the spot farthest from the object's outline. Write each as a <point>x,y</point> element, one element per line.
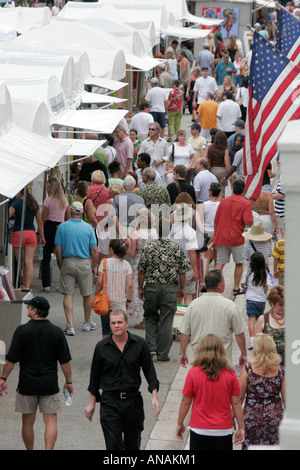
<point>23,154</point>
<point>29,65</point>
<point>25,19</point>
<point>34,117</point>
<point>49,91</point>
<point>80,57</point>
<point>105,61</point>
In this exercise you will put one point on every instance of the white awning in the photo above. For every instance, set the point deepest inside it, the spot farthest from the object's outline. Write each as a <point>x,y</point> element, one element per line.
<point>106,83</point>
<point>97,120</point>
<point>23,154</point>
<point>33,116</point>
<point>99,98</point>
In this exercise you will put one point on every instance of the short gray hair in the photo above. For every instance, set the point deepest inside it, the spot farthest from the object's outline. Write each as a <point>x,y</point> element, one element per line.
<point>129,182</point>
<point>150,173</point>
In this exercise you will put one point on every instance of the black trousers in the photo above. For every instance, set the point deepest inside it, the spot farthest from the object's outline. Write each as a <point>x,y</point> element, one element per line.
<point>50,228</point>
<point>122,421</point>
<point>199,442</point>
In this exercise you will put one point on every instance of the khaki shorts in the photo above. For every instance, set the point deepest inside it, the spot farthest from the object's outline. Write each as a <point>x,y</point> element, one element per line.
<point>190,286</point>
<point>76,271</point>
<point>224,252</point>
<point>28,404</point>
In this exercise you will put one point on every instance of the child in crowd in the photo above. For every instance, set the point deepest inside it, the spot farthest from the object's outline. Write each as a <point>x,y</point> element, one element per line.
<point>212,386</point>
<point>256,286</point>
<point>118,281</point>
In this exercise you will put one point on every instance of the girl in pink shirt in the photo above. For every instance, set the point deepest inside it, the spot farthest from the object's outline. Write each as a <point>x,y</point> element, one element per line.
<point>212,388</point>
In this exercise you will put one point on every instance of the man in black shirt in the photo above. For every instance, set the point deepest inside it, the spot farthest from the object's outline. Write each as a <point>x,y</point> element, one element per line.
<point>91,164</point>
<point>38,345</point>
<point>117,362</point>
<point>180,185</point>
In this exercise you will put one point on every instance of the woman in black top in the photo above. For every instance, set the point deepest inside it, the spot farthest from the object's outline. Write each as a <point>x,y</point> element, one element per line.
<point>29,238</point>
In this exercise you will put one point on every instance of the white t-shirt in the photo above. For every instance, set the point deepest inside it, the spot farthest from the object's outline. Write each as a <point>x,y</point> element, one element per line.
<point>141,122</point>
<point>228,113</point>
<point>182,154</point>
<point>186,237</point>
<point>210,209</point>
<point>203,86</point>
<point>156,97</point>
<point>255,293</point>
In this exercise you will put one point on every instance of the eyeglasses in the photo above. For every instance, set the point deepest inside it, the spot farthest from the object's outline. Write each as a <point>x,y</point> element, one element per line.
<point>152,129</point>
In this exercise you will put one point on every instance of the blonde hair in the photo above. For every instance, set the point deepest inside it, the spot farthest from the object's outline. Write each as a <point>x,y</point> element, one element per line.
<point>211,356</point>
<point>229,79</point>
<point>265,354</point>
<point>98,177</point>
<point>116,188</point>
<point>170,55</point>
<point>56,192</point>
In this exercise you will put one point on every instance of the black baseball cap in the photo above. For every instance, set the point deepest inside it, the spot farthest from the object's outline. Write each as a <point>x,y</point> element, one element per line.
<point>38,302</point>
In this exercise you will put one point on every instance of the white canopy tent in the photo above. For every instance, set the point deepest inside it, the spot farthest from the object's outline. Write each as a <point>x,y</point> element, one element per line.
<point>94,41</point>
<point>32,65</point>
<point>23,154</point>
<point>49,91</point>
<point>105,61</point>
<point>33,116</point>
<point>24,19</point>
<point>80,57</point>
<point>111,20</point>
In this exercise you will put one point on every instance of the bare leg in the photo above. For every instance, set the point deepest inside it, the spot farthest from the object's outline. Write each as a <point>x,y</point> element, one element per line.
<point>237,275</point>
<point>87,307</point>
<point>68,308</point>
<point>27,430</point>
<point>28,266</point>
<point>50,430</point>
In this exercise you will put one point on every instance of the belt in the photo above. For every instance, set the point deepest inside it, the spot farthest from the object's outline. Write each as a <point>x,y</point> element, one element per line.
<point>122,395</point>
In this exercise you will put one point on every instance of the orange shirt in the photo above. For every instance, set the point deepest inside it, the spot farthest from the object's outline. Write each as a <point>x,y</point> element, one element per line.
<point>208,111</point>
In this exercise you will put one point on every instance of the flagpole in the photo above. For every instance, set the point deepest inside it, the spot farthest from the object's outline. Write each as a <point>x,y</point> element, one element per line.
<point>263,6</point>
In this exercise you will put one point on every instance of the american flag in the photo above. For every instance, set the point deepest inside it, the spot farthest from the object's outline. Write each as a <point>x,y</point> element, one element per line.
<point>274,86</point>
<point>288,36</point>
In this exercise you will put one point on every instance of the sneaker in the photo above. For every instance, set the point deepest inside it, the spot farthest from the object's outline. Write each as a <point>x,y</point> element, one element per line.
<point>89,326</point>
<point>70,331</point>
<point>47,289</point>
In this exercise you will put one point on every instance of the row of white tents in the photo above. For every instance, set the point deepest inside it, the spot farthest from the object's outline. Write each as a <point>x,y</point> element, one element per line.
<point>47,69</point>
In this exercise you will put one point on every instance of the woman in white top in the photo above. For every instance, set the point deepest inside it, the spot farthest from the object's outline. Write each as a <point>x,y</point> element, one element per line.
<point>172,65</point>
<point>144,233</point>
<point>118,282</point>
<point>181,152</point>
<point>207,215</point>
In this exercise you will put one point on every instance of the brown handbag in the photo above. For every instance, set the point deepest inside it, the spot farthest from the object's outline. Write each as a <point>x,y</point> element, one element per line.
<point>101,303</point>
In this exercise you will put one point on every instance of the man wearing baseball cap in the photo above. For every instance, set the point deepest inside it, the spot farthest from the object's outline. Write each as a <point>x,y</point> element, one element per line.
<point>38,346</point>
<point>77,257</point>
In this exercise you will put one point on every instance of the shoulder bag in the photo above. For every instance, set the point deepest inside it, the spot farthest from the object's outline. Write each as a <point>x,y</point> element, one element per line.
<point>101,303</point>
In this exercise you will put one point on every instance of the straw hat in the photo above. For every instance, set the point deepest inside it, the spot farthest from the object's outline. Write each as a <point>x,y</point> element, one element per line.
<point>257,233</point>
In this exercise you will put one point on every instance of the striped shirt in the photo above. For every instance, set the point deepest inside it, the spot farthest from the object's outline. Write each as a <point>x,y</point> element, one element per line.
<point>279,203</point>
<point>116,274</point>
<point>263,247</point>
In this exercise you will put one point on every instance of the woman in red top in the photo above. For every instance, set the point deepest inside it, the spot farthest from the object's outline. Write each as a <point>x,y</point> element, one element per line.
<point>175,109</point>
<point>97,192</point>
<point>212,385</point>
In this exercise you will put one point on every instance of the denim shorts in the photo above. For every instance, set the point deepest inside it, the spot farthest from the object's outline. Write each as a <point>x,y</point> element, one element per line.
<point>255,309</point>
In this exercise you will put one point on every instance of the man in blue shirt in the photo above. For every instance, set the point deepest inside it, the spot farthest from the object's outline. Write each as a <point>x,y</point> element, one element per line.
<point>223,69</point>
<point>77,257</point>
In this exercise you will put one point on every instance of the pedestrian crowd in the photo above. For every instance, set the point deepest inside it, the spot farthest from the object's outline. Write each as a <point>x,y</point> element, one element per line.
<point>149,218</point>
